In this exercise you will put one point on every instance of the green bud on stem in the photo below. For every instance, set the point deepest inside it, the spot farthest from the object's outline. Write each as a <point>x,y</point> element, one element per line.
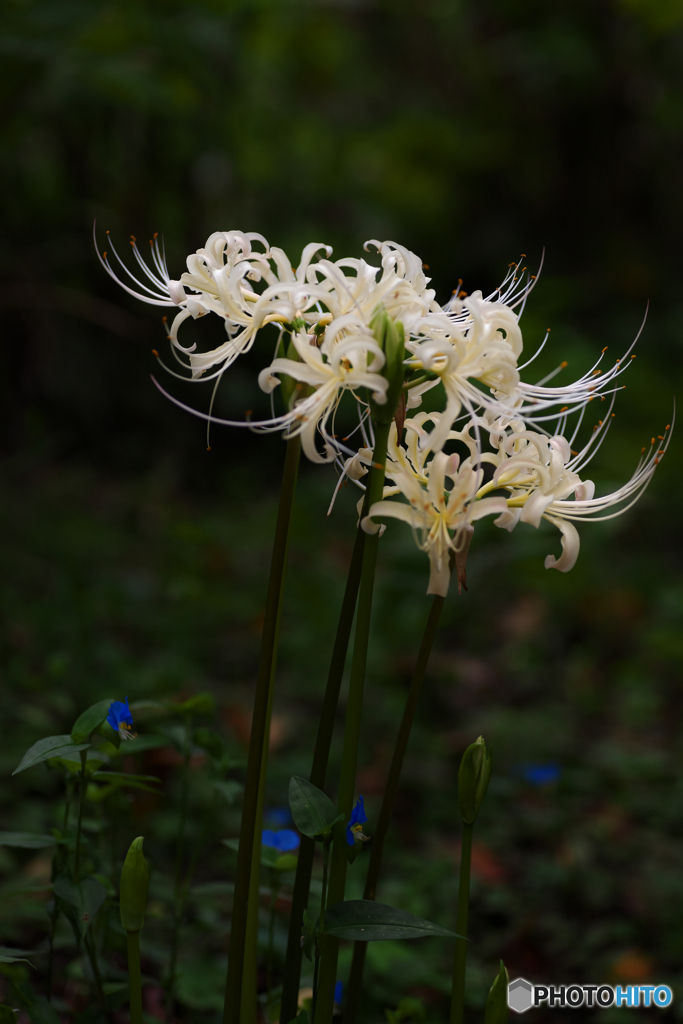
<point>390,337</point>
<point>473,779</point>
<point>497,1011</point>
<point>134,886</point>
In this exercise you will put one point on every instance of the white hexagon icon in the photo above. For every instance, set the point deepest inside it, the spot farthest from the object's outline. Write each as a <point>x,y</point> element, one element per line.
<point>520,995</point>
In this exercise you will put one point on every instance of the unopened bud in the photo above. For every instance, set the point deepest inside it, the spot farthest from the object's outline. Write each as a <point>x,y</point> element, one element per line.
<point>497,1011</point>
<point>134,886</point>
<point>390,337</point>
<point>473,779</point>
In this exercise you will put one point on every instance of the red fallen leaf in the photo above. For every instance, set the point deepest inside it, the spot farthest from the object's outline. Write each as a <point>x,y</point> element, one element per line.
<point>486,866</point>
<point>633,966</point>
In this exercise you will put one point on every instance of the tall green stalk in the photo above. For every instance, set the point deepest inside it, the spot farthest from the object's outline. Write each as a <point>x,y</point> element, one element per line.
<point>347,782</point>
<point>302,881</point>
<point>382,827</point>
<point>134,977</point>
<point>460,957</point>
<point>178,902</point>
<point>257,740</point>
<point>81,805</point>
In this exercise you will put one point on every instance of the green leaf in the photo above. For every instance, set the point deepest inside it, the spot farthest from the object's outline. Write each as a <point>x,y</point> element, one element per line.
<point>200,704</point>
<point>230,789</point>
<point>286,862</point>
<point>14,960</point>
<point>85,724</point>
<point>86,898</point>
<point>367,921</point>
<point>497,1010</point>
<point>119,780</point>
<point>141,743</point>
<point>7,1015</point>
<point>209,741</point>
<point>26,840</point>
<point>92,763</point>
<point>312,810</point>
<point>232,844</point>
<point>50,746</point>
<point>37,1007</point>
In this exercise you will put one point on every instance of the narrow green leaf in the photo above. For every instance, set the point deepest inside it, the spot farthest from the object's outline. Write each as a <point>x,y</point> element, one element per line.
<point>50,746</point>
<point>26,840</point>
<point>73,764</point>
<point>497,1010</point>
<point>232,844</point>
<point>141,743</point>
<point>312,810</point>
<point>14,960</point>
<point>7,1015</point>
<point>86,898</point>
<point>90,720</point>
<point>367,921</point>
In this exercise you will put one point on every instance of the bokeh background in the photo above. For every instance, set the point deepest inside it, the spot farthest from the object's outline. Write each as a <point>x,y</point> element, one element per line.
<point>134,561</point>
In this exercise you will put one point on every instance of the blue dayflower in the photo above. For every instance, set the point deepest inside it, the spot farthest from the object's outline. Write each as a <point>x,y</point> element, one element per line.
<point>338,993</point>
<point>354,829</point>
<point>541,774</point>
<point>284,841</point>
<point>280,817</point>
<point>120,719</point>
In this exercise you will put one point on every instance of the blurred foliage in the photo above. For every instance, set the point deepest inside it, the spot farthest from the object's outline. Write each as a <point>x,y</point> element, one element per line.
<point>134,563</point>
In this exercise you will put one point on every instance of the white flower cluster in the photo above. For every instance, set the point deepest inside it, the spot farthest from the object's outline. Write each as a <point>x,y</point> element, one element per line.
<point>487,452</point>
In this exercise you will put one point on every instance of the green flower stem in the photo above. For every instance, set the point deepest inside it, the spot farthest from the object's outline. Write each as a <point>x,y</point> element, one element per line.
<point>257,741</point>
<point>57,865</point>
<point>382,827</point>
<point>248,1013</point>
<point>134,977</point>
<point>177,894</point>
<point>81,805</point>
<point>460,958</point>
<point>274,891</point>
<point>354,708</point>
<point>302,881</point>
<point>323,899</point>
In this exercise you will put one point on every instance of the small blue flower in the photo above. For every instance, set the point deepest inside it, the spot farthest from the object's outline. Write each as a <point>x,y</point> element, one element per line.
<point>283,841</point>
<point>338,993</point>
<point>280,817</point>
<point>541,774</point>
<point>354,829</point>
<point>120,719</point>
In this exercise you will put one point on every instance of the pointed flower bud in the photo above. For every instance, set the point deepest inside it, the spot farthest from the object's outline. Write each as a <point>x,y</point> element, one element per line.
<point>497,1011</point>
<point>390,337</point>
<point>134,886</point>
<point>473,779</point>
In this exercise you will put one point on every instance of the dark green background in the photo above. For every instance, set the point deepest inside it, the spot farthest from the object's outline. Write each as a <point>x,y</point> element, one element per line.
<point>134,562</point>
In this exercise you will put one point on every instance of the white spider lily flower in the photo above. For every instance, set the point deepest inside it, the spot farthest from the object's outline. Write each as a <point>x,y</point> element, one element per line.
<point>486,349</point>
<point>439,515</point>
<point>348,358</point>
<point>538,473</point>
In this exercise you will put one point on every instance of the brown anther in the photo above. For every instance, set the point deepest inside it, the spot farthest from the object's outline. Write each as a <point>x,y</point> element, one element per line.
<point>155,353</point>
<point>106,232</point>
<point>642,451</point>
<point>156,234</point>
<point>668,426</point>
<point>656,462</point>
<point>596,373</point>
<point>605,348</point>
<point>633,357</point>
<point>602,398</point>
<point>661,452</point>
<point>652,441</point>
<point>208,447</point>
<point>461,295</point>
<point>660,436</point>
<point>599,423</point>
<point>425,266</point>
<point>563,364</point>
<point>564,408</point>
<point>591,398</point>
<point>133,238</point>
<point>104,255</point>
<point>248,412</point>
<point>573,452</point>
<point>164,319</point>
